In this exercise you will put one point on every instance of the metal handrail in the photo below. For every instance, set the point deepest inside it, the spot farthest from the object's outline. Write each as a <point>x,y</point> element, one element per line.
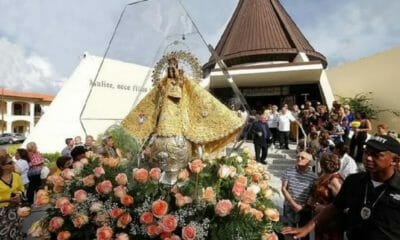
<point>304,134</point>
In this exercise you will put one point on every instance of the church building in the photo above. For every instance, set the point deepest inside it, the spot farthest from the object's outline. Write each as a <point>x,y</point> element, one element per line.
<point>269,59</point>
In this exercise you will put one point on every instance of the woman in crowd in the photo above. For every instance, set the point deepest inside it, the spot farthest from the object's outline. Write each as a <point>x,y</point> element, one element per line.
<point>37,171</point>
<point>325,190</point>
<point>11,189</point>
<point>360,137</point>
<point>22,165</point>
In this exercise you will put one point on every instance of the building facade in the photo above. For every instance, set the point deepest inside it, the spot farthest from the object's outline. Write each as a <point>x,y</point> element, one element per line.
<point>378,74</point>
<point>269,59</point>
<point>20,111</point>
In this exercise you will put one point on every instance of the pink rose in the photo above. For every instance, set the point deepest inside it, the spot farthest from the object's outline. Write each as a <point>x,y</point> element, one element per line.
<point>104,187</point>
<point>104,233</point>
<point>141,175</point>
<point>181,200</point>
<point>63,235</point>
<point>153,230</point>
<point>155,174</point>
<point>257,214</point>
<point>98,171</point>
<point>78,166</point>
<point>56,180</point>
<point>196,166</point>
<point>61,201</point>
<point>79,220</point>
<point>84,161</point>
<point>188,233</point>
<point>122,236</point>
<point>67,174</point>
<point>242,180</point>
<point>248,197</point>
<point>116,212</point>
<point>159,208</point>
<point>209,195</point>
<point>55,223</point>
<point>127,200</point>
<point>223,208</point>
<point>124,220</point>
<point>169,223</point>
<point>121,179</point>
<point>88,181</point>
<point>183,175</point>
<point>244,207</point>
<point>146,218</point>
<point>119,191</point>
<point>67,209</point>
<point>238,189</point>
<point>80,195</point>
<point>272,214</point>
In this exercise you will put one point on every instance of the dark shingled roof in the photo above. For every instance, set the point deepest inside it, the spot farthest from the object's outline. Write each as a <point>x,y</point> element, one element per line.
<point>260,31</point>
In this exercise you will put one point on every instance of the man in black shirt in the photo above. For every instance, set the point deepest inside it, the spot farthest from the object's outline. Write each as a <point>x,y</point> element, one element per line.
<point>370,201</point>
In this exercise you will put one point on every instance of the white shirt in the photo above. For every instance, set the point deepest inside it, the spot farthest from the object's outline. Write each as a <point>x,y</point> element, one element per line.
<point>347,166</point>
<point>22,167</point>
<point>273,120</point>
<point>44,173</point>
<point>284,121</point>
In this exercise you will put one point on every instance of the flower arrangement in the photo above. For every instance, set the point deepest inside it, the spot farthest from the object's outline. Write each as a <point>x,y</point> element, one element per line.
<point>103,198</point>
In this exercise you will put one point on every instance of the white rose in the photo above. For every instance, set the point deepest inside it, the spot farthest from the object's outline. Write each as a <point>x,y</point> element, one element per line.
<point>254,188</point>
<point>224,171</point>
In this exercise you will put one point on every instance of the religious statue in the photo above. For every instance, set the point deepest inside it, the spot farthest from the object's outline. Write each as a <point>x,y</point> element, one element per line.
<point>180,119</point>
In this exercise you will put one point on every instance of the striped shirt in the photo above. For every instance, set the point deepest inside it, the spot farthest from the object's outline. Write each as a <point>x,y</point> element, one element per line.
<point>299,183</point>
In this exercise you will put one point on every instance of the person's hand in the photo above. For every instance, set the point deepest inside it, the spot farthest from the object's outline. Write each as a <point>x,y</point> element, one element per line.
<point>15,200</point>
<point>296,232</point>
<point>297,207</point>
<point>259,134</point>
<point>147,151</point>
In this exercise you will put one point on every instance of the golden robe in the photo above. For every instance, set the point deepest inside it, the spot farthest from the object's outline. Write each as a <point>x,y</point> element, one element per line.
<point>196,115</point>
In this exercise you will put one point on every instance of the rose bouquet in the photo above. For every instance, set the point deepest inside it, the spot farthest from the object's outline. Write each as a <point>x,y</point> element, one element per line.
<point>104,198</point>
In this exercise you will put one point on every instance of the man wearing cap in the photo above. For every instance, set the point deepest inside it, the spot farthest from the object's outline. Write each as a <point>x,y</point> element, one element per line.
<point>297,183</point>
<point>370,201</point>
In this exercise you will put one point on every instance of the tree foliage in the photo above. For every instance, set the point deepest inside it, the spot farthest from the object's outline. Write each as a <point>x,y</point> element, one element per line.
<point>361,102</point>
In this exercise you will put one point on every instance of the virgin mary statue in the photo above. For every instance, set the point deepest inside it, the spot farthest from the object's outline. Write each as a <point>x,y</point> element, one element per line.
<point>177,117</point>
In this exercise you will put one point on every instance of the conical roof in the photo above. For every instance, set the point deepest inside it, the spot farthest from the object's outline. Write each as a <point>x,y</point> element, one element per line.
<point>261,31</point>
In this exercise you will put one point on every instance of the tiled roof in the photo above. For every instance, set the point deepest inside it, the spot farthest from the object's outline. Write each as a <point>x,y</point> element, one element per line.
<point>260,31</point>
<point>30,95</point>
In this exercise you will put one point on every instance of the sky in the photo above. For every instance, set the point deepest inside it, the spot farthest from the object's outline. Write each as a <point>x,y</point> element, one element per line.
<point>42,41</point>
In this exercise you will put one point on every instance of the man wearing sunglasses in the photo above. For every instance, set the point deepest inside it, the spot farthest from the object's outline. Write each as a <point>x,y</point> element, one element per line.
<point>369,201</point>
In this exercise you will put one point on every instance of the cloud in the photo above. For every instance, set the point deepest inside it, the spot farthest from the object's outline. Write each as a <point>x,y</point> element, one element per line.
<point>354,29</point>
<point>26,72</point>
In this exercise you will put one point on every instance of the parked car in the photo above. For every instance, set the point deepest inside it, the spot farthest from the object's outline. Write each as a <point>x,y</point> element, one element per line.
<point>11,138</point>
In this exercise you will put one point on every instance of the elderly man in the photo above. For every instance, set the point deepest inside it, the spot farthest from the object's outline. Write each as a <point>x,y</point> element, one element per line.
<point>261,135</point>
<point>369,200</point>
<point>297,183</point>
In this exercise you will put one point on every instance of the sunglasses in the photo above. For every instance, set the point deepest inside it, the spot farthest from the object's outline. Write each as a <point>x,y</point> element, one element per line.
<point>8,163</point>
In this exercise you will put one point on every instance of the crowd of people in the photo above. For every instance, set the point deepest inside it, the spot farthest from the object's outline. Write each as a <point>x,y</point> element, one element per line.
<point>338,172</point>
<point>23,174</point>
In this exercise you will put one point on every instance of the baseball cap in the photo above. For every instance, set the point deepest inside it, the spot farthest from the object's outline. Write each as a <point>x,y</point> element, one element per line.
<point>384,143</point>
